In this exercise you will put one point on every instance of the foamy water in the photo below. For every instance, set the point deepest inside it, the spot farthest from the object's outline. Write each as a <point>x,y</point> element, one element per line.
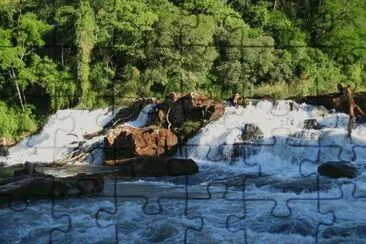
<point>282,205</point>
<point>63,132</point>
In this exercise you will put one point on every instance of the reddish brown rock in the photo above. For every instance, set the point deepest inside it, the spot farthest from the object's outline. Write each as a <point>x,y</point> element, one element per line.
<point>127,141</point>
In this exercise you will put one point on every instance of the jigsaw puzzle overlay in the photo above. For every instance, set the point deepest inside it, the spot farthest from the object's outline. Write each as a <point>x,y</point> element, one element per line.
<point>258,179</point>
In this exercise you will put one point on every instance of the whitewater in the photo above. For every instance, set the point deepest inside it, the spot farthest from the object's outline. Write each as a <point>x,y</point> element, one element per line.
<point>285,200</point>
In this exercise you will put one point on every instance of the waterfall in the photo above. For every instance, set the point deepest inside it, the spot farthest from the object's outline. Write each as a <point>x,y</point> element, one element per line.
<point>285,142</point>
<point>144,116</point>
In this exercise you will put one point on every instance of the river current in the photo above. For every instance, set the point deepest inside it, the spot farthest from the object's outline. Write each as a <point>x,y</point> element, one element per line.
<point>269,192</point>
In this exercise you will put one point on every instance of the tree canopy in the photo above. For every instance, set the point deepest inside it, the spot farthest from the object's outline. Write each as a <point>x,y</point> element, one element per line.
<point>57,54</point>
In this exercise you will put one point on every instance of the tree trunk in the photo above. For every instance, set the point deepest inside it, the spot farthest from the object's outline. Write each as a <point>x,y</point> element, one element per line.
<point>352,106</point>
<point>19,94</point>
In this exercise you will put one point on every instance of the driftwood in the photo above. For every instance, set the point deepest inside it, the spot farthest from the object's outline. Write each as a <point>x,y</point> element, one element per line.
<point>352,106</point>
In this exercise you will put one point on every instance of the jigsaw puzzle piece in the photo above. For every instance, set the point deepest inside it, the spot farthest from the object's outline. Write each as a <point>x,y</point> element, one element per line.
<point>348,207</point>
<point>31,215</point>
<point>157,215</point>
<point>274,210</point>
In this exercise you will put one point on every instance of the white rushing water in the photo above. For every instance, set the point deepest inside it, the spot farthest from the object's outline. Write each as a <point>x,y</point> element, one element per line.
<point>280,206</point>
<point>285,140</point>
<point>63,132</point>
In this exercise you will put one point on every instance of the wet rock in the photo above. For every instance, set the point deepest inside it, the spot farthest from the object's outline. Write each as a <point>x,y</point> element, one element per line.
<point>179,108</point>
<point>156,166</point>
<point>4,151</point>
<point>124,142</point>
<point>252,133</point>
<point>252,138</point>
<point>338,169</point>
<point>338,231</point>
<point>39,181</point>
<point>360,120</point>
<point>89,185</point>
<point>300,227</point>
<point>4,143</point>
<point>311,124</point>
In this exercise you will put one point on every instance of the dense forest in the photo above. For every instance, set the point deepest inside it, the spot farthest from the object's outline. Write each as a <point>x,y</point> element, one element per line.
<point>93,53</point>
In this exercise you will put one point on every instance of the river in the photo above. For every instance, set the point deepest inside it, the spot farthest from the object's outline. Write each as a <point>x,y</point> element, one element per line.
<point>268,193</point>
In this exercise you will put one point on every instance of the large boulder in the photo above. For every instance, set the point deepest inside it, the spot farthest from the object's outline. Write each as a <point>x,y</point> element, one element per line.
<point>125,141</point>
<point>252,137</point>
<point>338,169</point>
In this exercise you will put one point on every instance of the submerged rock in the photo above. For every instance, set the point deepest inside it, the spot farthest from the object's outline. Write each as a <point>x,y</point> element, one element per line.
<point>124,142</point>
<point>311,124</point>
<point>338,169</point>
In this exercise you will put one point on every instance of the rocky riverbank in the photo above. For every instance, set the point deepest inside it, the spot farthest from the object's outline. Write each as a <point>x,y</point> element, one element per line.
<point>131,150</point>
<point>144,148</point>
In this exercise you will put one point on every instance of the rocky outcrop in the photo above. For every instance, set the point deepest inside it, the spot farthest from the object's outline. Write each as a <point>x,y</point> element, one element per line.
<point>4,144</point>
<point>29,181</point>
<point>155,166</point>
<point>124,142</point>
<point>252,137</point>
<point>338,169</point>
<point>179,108</point>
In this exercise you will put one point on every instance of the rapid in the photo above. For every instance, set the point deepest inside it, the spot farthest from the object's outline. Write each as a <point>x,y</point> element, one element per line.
<point>269,192</point>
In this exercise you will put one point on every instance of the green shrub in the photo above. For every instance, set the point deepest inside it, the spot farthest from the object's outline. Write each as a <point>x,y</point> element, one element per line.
<point>15,122</point>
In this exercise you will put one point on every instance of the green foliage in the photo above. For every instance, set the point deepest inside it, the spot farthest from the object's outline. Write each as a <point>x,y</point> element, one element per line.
<point>115,50</point>
<point>15,122</point>
<point>190,127</point>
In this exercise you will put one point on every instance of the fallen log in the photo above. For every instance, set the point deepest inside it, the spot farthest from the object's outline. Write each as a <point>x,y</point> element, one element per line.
<point>353,104</point>
<point>347,98</point>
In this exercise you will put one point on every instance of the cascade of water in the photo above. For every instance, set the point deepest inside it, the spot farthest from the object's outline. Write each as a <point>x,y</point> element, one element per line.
<point>62,133</point>
<point>143,118</point>
<point>285,139</point>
